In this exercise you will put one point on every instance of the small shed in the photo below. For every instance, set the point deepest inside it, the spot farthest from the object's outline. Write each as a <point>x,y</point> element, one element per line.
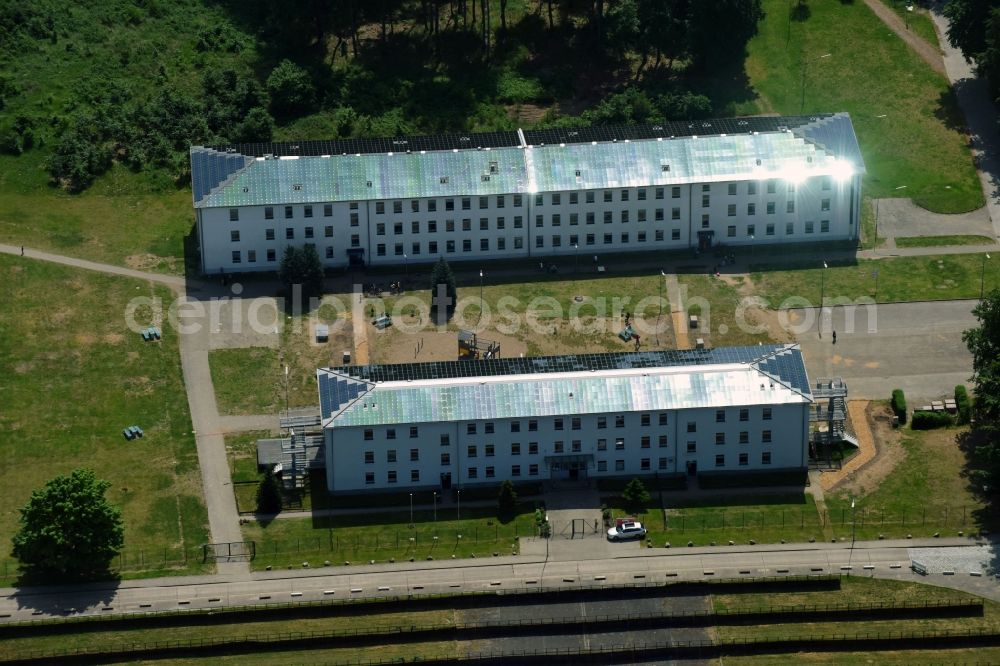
<point>322,333</point>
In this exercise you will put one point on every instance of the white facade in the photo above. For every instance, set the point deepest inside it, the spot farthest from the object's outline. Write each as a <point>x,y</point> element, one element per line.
<point>782,190</point>
<point>665,420</point>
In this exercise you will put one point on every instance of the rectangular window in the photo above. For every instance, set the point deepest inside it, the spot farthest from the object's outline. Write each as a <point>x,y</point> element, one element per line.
<point>589,197</point>
<point>466,224</point>
<point>234,214</point>
<point>602,445</point>
<point>515,448</point>
<point>731,231</point>
<point>517,201</point>
<point>789,228</point>
<point>720,460</point>
<point>608,217</point>
<point>766,414</point>
<point>414,476</point>
<point>556,199</point>
<point>329,252</point>
<point>539,199</point>
<point>577,446</point>
<point>390,456</point>
<point>289,233</point>
<point>765,458</point>
<point>675,213</point>
<point>414,455</point>
<point>744,437</point>
<point>354,220</point>
<point>269,213</point>
<point>645,442</point>
<point>644,420</point>
<point>744,414</point>
<point>449,204</point>
<point>533,469</point>
<point>706,201</point>
<point>732,189</point>
<point>602,422</point>
<point>641,237</point>
<point>397,228</point>
<point>731,210</point>
<point>663,441</point>
<point>413,432</point>
<point>574,198</point>
<point>558,424</point>
<point>557,447</point>
<point>557,241</point>
<point>432,247</point>
<point>234,236</point>
<point>500,202</point>
<point>484,203</point>
<point>590,217</point>
<point>252,256</point>
<point>720,438</point>
<point>624,195</point>
<point>390,476</point>
<point>692,426</point>
<point>445,440</point>
<point>619,465</point>
<point>532,425</point>
<point>661,463</point>
<point>644,464</point>
<point>809,227</point>
<point>327,210</point>
<point>484,224</point>
<point>515,470</point>
<point>658,214</point>
<point>484,244</point>
<point>602,465</point>
<point>390,433</point>
<point>489,450</point>
<point>675,192</point>
<point>515,426</point>
<point>607,239</point>
<point>770,208</point>
<point>445,460</point>
<point>272,255</point>
<point>449,247</point>
<point>744,459</point>
<point>658,235</point>
<point>824,226</point>
<point>369,457</point>
<point>751,209</point>
<point>692,447</point>
<point>765,436</point>
<point>641,215</point>
<point>236,257</point>
<point>790,207</point>
<point>472,451</point>
<point>607,196</point>
<point>518,243</point>
<point>380,249</point>
<point>288,212</point>
<point>473,473</point>
<point>369,478</point>
<point>769,230</point>
<point>720,416</point>
<point>591,239</point>
<point>328,231</point>
<point>307,211</point>
<point>556,220</point>
<point>619,444</point>
<point>675,234</point>
<point>619,420</point>
<point>624,237</point>
<point>539,241</point>
<point>532,448</point>
<point>309,232</point>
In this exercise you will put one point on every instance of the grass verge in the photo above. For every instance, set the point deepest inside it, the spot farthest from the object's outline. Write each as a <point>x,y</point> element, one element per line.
<point>75,376</point>
<point>942,241</point>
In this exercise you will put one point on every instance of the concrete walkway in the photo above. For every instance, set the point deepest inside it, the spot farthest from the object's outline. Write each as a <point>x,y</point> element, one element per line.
<point>220,502</point>
<point>930,53</point>
<point>899,217</point>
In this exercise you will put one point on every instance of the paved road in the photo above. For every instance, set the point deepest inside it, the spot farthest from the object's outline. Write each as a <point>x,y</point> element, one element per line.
<point>915,346</point>
<point>886,559</point>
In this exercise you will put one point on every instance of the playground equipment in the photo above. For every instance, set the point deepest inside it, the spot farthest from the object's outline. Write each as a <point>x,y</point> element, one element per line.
<point>471,347</point>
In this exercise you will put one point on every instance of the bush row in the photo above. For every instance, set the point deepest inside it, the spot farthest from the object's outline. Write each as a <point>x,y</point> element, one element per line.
<point>899,405</point>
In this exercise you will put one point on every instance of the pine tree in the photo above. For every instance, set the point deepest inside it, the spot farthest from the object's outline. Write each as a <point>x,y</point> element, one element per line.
<point>441,275</point>
<point>269,493</point>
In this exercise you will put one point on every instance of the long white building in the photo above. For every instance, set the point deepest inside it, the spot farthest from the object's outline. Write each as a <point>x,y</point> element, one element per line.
<point>461,423</point>
<point>529,193</point>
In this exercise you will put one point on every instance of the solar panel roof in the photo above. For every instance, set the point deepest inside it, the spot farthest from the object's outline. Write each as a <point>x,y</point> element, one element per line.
<point>397,144</point>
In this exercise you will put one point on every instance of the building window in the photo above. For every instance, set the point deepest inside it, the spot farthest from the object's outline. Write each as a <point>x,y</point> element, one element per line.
<point>790,207</point>
<point>539,199</point>
<point>619,465</point>
<point>390,433</point>
<point>731,231</point>
<point>641,215</point>
<point>515,426</point>
<point>744,459</point>
<point>272,255</point>
<point>720,460</point>
<point>602,422</point>
<point>354,220</point>
<point>644,443</point>
<point>658,214</point>
<point>769,230</point>
<point>706,201</point>
<point>624,237</point>
<point>329,252</point>
<point>515,448</point>
<point>602,465</point>
<point>744,414</point>
<point>576,446</point>
<point>589,197</point>
<point>770,208</point>
<point>824,226</point>
<point>252,256</point>
<point>390,456</point>
<point>515,470</point>
<point>414,455</point>
<point>765,436</point>
<point>269,234</point>
<point>771,186</point>
<point>449,204</point>
<point>445,440</point>
<point>766,415</point>
<point>309,232</point>
<point>490,473</point>
<point>532,448</point>
<point>234,214</point>
<point>490,450</point>
<point>236,257</point>
<point>607,196</point>
<point>533,469</point>
<point>414,476</point>
<point>809,227</point>
<point>500,202</point>
<point>744,437</point>
<point>619,444</point>
<point>692,426</point>
<point>765,458</point>
<point>602,445</point>
<point>732,189</point>
<point>557,447</point>
<point>288,212</point>
<point>619,420</point>
<point>731,210</point>
<point>269,213</point>
<point>539,241</point>
<point>789,228</point>
<point>369,478</point>
<point>473,473</point>
<point>720,438</point>
<point>307,211</point>
<point>558,424</point>
<point>369,457</point>
<point>445,460</point>
<point>234,236</point>
<point>675,234</point>
<point>663,418</point>
<point>397,207</point>
<point>532,425</point>
<point>675,192</point>
<point>663,441</point>
<point>720,416</point>
<point>658,235</point>
<point>644,420</point>
<point>432,247</point>
<point>692,447</point>
<point>380,249</point>
<point>517,201</point>
<point>470,429</point>
<point>328,231</point>
<point>327,210</point>
<point>390,476</point>
<point>608,217</point>
<point>751,209</point>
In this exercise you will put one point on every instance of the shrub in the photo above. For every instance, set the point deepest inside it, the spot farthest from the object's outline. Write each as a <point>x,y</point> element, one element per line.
<point>899,405</point>
<point>963,403</point>
<point>930,420</point>
<point>635,496</point>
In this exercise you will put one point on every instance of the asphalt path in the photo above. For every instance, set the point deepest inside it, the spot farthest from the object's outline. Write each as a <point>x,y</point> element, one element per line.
<point>633,565</point>
<point>913,346</point>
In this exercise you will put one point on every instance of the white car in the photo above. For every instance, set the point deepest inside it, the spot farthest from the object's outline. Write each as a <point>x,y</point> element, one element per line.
<point>626,531</point>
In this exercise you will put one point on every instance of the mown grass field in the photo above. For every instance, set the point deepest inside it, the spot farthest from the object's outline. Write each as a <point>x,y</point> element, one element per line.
<point>942,241</point>
<point>902,111</point>
<point>75,377</point>
<point>247,380</point>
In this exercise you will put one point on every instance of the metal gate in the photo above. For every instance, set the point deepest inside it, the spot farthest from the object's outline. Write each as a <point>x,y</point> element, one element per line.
<point>229,551</point>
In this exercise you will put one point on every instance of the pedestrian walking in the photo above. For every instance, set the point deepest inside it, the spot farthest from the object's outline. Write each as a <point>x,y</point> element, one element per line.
<point>835,337</point>
<point>22,250</point>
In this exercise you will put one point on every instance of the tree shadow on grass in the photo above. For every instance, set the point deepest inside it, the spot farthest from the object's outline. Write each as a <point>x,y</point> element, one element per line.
<point>38,591</point>
<point>800,11</point>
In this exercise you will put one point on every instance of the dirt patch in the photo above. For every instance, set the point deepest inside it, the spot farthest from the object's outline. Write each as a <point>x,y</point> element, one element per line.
<point>888,454</point>
<point>61,317</point>
<point>14,270</point>
<point>395,346</point>
<point>113,338</point>
<point>85,338</point>
<point>23,367</point>
<point>146,262</point>
<point>529,114</point>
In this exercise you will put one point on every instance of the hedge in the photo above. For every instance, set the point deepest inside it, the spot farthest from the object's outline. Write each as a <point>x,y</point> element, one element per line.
<point>899,405</point>
<point>963,403</point>
<point>930,420</point>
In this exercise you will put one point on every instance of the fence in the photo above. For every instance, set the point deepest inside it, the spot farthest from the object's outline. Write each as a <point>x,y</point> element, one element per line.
<point>935,516</point>
<point>539,626</point>
<point>129,561</point>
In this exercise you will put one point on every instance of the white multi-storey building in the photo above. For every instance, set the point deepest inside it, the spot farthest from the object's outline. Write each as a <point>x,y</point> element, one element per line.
<point>454,424</point>
<point>530,193</point>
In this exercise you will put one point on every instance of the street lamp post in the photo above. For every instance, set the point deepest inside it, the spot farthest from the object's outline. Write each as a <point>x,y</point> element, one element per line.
<point>854,523</point>
<point>822,294</point>
<point>751,253</point>
<point>435,507</point>
<point>982,277</point>
<point>286,391</point>
<point>411,509</point>
<point>481,302</point>
<point>458,510</point>
<point>406,268</point>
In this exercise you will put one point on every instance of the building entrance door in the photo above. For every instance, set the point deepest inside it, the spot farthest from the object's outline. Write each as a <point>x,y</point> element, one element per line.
<point>692,467</point>
<point>446,481</point>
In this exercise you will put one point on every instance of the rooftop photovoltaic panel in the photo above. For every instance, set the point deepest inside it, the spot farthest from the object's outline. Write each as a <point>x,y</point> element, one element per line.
<point>666,130</point>
<point>365,146</point>
<point>781,361</point>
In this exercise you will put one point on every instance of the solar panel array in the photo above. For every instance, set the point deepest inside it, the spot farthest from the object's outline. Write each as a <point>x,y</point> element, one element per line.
<point>336,391</point>
<point>547,364</point>
<point>786,364</point>
<point>209,168</point>
<point>399,144</point>
<point>713,126</point>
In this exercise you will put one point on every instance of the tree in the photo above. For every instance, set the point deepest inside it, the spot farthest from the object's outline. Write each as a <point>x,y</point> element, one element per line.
<point>302,266</point>
<point>257,127</point>
<point>291,89</point>
<point>718,31</point>
<point>507,501</point>
<point>269,493</point>
<point>441,275</point>
<point>635,495</point>
<point>984,344</point>
<point>68,530</point>
<point>974,28</point>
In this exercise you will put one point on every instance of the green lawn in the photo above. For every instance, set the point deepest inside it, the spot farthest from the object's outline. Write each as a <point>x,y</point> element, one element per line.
<point>932,278</point>
<point>247,381</point>
<point>941,241</point>
<point>906,118</point>
<point>718,305</point>
<point>359,538</point>
<point>927,492</point>
<point>75,376</point>
<point>918,21</point>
